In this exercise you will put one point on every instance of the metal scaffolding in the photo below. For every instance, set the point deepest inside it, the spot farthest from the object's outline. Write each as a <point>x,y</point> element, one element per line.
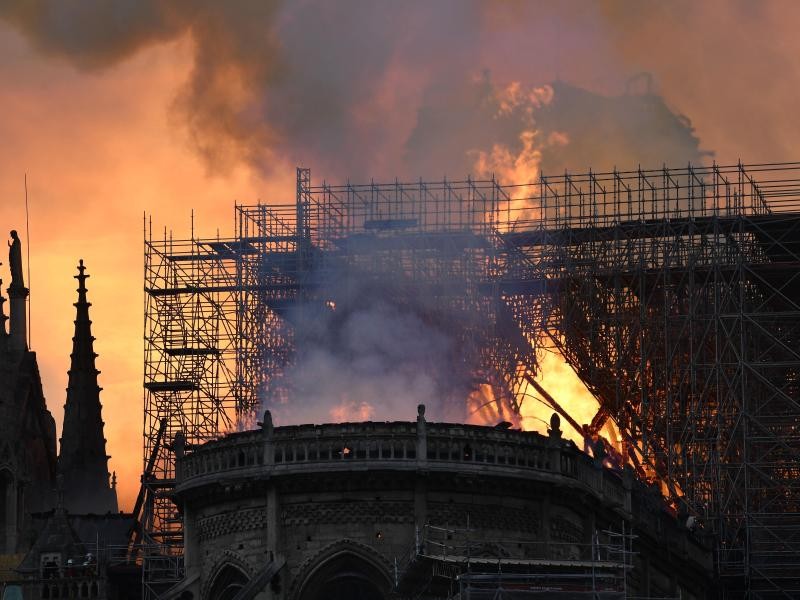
<point>676,295</point>
<point>462,564</point>
<point>673,293</point>
<point>194,382</point>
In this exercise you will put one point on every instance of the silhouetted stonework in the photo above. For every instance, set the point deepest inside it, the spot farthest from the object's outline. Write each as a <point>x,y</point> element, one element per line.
<point>27,429</point>
<point>396,510</point>
<point>50,537</point>
<point>83,461</point>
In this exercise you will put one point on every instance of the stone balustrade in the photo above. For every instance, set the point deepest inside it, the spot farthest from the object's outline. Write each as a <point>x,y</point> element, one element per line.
<point>395,445</point>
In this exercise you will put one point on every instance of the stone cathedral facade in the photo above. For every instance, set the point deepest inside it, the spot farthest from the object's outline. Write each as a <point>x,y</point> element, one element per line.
<point>57,507</point>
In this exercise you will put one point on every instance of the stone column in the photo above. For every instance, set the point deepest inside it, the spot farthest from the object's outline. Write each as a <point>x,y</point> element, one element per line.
<point>546,508</point>
<point>18,330</point>
<point>272,525</point>
<point>267,431</point>
<point>421,482</point>
<point>179,448</point>
<point>3,317</point>
<point>189,541</point>
<point>627,484</point>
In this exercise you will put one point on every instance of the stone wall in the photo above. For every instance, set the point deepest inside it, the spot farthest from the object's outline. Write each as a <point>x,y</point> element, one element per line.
<point>379,500</point>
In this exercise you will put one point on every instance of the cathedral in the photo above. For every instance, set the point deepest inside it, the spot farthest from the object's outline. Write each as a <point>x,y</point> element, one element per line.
<point>58,507</point>
<point>369,510</point>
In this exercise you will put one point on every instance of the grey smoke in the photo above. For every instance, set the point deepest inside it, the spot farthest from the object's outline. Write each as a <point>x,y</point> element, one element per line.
<point>375,88</point>
<point>359,88</point>
<point>271,81</point>
<point>372,352</point>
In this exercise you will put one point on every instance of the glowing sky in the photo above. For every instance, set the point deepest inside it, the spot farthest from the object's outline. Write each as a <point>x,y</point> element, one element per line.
<point>204,112</point>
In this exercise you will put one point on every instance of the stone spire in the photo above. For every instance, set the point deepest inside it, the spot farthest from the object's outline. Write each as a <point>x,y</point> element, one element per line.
<point>83,462</point>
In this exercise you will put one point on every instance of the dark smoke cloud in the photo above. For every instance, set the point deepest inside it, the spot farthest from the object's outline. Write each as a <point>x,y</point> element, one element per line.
<point>342,86</point>
<point>270,81</point>
<point>377,88</point>
<point>236,59</point>
<point>574,129</point>
<point>355,89</point>
<point>92,34</point>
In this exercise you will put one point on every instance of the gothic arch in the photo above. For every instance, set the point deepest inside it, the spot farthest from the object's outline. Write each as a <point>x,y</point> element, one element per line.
<point>227,583</point>
<point>230,574</point>
<point>344,570</point>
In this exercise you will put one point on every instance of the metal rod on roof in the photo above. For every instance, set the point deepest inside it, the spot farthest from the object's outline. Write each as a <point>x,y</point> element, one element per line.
<point>28,249</point>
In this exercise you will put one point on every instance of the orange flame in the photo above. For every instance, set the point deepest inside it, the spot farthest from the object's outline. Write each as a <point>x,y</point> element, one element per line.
<point>351,410</point>
<point>483,408</point>
<point>519,166</point>
<point>523,166</point>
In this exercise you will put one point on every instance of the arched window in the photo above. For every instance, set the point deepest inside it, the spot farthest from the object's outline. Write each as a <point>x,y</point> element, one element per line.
<point>346,576</point>
<point>228,582</point>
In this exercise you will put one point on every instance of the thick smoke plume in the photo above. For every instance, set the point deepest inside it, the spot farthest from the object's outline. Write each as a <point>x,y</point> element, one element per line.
<point>364,89</point>
<point>365,349</point>
<point>271,82</point>
<point>377,89</point>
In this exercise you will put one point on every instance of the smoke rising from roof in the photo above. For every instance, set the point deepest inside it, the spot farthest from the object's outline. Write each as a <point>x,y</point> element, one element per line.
<point>376,89</point>
<point>372,89</point>
<point>370,355</point>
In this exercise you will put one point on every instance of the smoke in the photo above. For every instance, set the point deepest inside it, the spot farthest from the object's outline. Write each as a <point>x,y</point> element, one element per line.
<point>516,131</point>
<point>364,89</point>
<point>272,83</point>
<point>359,89</point>
<point>365,349</point>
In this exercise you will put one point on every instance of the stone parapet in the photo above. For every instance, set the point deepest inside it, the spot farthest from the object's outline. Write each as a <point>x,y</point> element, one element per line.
<point>402,446</point>
<point>288,509</point>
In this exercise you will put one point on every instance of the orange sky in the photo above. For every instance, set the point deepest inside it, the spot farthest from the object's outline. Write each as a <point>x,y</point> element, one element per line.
<point>99,151</point>
<point>101,147</point>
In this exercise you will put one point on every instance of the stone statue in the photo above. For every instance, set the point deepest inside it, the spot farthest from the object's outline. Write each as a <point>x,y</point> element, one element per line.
<point>266,425</point>
<point>555,426</point>
<point>15,261</point>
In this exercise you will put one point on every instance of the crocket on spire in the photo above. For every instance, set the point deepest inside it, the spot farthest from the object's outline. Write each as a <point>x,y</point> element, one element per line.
<point>83,462</point>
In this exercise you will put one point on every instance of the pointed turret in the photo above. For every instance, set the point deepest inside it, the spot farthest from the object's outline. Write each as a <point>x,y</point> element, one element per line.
<point>83,461</point>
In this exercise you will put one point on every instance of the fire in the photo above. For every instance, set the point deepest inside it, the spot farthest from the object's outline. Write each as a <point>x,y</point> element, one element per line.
<point>563,384</point>
<point>351,410</point>
<point>515,95</point>
<point>483,408</point>
<point>560,380</point>
<point>520,165</point>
